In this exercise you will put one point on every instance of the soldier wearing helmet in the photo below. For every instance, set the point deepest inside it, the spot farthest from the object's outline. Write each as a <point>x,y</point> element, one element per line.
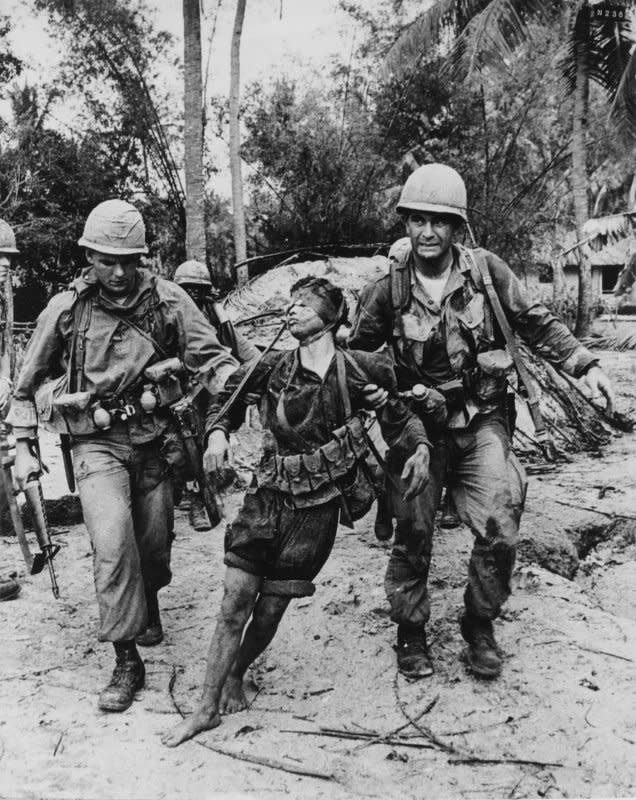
<point>9,588</point>
<point>433,309</point>
<point>194,278</point>
<point>83,374</point>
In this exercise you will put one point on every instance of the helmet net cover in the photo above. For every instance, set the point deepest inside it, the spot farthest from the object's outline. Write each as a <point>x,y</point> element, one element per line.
<point>115,227</point>
<point>436,189</point>
<point>192,272</point>
<point>7,239</point>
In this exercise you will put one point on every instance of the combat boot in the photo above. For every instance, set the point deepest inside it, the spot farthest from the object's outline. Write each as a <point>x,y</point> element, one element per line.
<point>153,635</point>
<point>412,652</point>
<point>198,515</point>
<point>482,652</point>
<point>9,589</point>
<point>128,677</point>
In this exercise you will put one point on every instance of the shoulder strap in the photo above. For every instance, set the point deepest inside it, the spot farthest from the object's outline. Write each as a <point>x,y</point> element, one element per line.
<point>343,389</point>
<point>399,285</point>
<point>129,323</point>
<point>400,288</point>
<point>480,262</point>
<point>82,310</point>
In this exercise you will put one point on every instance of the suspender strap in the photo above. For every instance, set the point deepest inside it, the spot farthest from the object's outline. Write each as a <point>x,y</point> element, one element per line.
<point>128,322</point>
<point>82,312</point>
<point>495,302</point>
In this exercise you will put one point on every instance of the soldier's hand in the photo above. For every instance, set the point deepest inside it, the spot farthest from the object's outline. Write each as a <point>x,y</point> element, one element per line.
<point>216,451</point>
<point>374,396</point>
<point>415,472</point>
<point>600,386</point>
<point>26,464</point>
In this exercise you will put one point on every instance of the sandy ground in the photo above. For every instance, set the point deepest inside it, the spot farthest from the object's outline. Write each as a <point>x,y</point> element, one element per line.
<point>560,722</point>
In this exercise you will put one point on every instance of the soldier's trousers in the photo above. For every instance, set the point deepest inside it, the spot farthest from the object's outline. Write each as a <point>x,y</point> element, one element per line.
<point>127,500</point>
<point>488,486</point>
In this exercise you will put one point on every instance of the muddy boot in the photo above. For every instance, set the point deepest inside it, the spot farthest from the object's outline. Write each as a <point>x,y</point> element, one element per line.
<point>198,515</point>
<point>482,653</point>
<point>9,589</point>
<point>412,652</point>
<point>449,517</point>
<point>153,634</point>
<point>128,677</point>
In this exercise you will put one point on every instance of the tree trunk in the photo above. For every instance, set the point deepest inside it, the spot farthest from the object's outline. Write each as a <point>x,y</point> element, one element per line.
<point>579,190</point>
<point>240,244</point>
<point>193,136</point>
<point>558,289</point>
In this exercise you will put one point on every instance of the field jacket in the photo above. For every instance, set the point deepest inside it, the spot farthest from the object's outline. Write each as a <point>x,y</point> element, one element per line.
<point>433,343</point>
<point>116,354</point>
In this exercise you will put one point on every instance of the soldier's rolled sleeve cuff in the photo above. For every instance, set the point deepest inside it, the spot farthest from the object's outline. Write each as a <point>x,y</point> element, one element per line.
<point>579,362</point>
<point>210,431</point>
<point>22,414</point>
<point>222,374</point>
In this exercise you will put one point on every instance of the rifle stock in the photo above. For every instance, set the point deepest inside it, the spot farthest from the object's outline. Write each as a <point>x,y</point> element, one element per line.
<point>33,494</point>
<point>209,493</point>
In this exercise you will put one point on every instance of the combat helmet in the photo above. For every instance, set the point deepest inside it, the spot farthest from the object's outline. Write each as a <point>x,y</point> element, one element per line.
<point>115,227</point>
<point>7,239</point>
<point>192,272</point>
<point>435,188</point>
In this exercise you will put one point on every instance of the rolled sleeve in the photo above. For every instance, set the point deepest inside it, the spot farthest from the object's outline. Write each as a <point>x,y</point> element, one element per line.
<point>200,349</point>
<point>372,320</point>
<point>537,325</point>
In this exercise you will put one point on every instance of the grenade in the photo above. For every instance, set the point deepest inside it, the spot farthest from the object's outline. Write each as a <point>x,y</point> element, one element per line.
<point>419,392</point>
<point>148,399</point>
<point>101,417</point>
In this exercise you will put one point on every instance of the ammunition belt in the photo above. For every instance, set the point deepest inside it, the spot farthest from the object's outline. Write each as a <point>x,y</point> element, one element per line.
<point>315,474</point>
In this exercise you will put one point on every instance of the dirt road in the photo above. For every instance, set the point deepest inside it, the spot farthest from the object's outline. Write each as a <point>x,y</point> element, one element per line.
<point>561,722</point>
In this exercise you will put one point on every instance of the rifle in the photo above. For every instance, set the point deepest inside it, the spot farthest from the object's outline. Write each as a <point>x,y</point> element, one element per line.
<point>163,375</point>
<point>35,500</point>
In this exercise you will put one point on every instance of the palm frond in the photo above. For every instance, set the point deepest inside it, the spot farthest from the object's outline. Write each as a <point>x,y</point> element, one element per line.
<point>601,231</point>
<point>494,33</point>
<point>424,36</point>
<point>472,29</point>
<point>623,110</point>
<point>603,45</point>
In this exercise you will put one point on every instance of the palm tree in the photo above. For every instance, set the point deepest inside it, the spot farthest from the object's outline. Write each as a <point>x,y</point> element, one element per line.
<point>240,244</point>
<point>193,136</point>
<point>600,49</point>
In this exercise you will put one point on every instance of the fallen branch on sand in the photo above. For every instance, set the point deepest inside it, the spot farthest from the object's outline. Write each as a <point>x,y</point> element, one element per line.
<point>610,514</point>
<point>367,738</point>
<point>262,761</point>
<point>525,761</point>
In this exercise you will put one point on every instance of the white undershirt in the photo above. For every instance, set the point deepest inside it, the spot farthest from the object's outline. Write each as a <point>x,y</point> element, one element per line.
<point>434,287</point>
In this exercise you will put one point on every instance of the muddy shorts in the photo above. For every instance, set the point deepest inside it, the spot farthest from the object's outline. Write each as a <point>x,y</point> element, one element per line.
<point>286,545</point>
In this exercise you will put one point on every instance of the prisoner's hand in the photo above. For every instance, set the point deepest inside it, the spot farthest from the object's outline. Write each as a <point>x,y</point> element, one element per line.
<point>415,472</point>
<point>599,384</point>
<point>5,391</point>
<point>26,464</point>
<point>216,451</point>
<point>374,396</point>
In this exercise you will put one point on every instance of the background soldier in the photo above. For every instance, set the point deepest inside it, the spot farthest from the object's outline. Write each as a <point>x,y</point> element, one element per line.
<point>194,278</point>
<point>433,310</point>
<point>83,373</point>
<point>8,587</point>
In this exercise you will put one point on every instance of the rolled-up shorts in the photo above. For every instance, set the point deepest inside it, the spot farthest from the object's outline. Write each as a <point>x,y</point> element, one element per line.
<point>287,546</point>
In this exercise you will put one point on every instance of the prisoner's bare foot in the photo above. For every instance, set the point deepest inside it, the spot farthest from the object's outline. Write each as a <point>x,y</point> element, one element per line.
<point>232,696</point>
<point>198,721</point>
